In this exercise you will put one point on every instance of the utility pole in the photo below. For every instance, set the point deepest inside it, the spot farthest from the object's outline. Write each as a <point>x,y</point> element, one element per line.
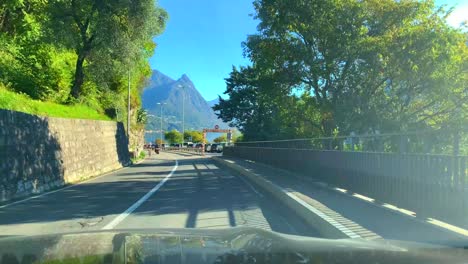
<point>161,116</point>
<point>128,109</point>
<point>183,115</point>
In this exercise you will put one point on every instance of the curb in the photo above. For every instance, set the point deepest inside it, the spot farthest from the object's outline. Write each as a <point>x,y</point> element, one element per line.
<point>313,219</point>
<point>455,230</point>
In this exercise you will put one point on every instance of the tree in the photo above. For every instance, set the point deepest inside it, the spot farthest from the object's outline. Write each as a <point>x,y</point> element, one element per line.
<point>262,112</point>
<point>159,142</point>
<point>173,136</point>
<point>28,64</point>
<point>220,139</point>
<point>70,51</point>
<point>193,136</point>
<point>119,30</point>
<point>346,65</point>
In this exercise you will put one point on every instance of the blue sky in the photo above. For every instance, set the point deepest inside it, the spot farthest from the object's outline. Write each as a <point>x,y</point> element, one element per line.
<point>203,39</point>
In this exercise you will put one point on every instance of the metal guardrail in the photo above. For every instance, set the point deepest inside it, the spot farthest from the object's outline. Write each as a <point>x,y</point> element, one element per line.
<point>442,141</point>
<point>189,150</point>
<point>433,186</point>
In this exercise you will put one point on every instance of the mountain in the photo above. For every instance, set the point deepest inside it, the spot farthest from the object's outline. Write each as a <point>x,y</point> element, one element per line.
<point>163,89</point>
<point>213,102</point>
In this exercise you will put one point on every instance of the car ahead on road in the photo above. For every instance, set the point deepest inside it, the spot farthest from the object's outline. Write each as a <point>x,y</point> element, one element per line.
<point>233,245</point>
<point>219,148</point>
<point>208,148</point>
<point>214,148</point>
<point>187,145</point>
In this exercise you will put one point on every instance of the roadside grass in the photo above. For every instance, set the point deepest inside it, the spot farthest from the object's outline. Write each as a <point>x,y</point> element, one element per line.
<point>22,103</point>
<point>140,157</point>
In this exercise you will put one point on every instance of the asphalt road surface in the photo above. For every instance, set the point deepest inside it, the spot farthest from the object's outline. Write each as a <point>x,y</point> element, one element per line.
<point>165,191</point>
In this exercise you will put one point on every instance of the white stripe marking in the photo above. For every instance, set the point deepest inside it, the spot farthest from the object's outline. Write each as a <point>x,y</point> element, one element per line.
<point>325,217</point>
<point>132,208</point>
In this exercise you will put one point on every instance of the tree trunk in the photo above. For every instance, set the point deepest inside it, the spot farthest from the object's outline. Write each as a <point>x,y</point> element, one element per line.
<point>79,76</point>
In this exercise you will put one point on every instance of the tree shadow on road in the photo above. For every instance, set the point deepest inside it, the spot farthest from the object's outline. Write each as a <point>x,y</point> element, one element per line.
<point>208,197</point>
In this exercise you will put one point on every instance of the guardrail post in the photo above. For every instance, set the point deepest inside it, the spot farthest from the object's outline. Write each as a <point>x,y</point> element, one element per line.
<point>456,143</point>
<point>403,144</point>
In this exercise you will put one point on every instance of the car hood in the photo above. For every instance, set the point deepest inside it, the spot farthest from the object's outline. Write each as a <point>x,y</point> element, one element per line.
<point>234,245</point>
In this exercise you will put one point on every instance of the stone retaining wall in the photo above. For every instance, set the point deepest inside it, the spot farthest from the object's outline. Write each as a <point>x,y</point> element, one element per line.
<point>41,153</point>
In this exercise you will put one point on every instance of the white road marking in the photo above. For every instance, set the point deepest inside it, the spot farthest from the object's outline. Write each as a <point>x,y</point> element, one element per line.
<point>408,213</point>
<point>325,217</point>
<point>132,208</point>
<point>450,227</point>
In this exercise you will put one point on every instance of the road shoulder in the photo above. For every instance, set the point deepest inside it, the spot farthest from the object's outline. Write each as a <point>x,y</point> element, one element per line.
<point>357,215</point>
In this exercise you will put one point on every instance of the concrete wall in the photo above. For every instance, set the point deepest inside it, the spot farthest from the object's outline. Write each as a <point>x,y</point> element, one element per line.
<point>39,153</point>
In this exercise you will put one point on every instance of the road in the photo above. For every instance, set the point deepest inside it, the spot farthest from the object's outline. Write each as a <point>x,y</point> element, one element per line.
<point>165,191</point>
<point>348,211</point>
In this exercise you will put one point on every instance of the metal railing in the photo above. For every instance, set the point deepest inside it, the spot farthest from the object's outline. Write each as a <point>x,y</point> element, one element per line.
<point>442,141</point>
<point>188,150</point>
<point>431,185</point>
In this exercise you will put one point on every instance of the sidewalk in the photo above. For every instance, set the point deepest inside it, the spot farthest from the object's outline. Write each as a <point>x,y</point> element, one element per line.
<point>360,215</point>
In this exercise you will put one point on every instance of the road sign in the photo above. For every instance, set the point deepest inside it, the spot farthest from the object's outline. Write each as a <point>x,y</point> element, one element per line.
<point>216,130</point>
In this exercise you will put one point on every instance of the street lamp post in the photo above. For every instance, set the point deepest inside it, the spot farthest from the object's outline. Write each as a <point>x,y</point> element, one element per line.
<point>161,116</point>
<point>183,112</point>
<point>151,132</point>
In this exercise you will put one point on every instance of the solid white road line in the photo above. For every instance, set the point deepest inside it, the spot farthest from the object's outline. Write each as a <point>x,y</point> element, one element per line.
<point>132,208</point>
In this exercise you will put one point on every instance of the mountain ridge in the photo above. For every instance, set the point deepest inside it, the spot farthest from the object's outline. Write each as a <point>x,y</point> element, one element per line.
<point>163,89</point>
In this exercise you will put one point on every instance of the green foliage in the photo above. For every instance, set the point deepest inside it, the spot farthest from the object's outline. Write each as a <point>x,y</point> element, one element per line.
<point>141,156</point>
<point>109,39</point>
<point>142,116</point>
<point>239,138</point>
<point>23,103</point>
<point>79,51</point>
<point>220,139</point>
<point>193,136</point>
<point>347,65</point>
<point>173,136</point>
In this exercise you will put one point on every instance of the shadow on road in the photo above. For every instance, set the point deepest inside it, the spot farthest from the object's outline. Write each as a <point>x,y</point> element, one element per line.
<point>197,188</point>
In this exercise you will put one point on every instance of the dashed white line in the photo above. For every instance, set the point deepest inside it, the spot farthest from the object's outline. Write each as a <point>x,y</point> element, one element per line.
<point>132,208</point>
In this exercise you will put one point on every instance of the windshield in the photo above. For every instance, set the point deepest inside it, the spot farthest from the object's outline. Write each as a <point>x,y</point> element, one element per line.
<point>336,119</point>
